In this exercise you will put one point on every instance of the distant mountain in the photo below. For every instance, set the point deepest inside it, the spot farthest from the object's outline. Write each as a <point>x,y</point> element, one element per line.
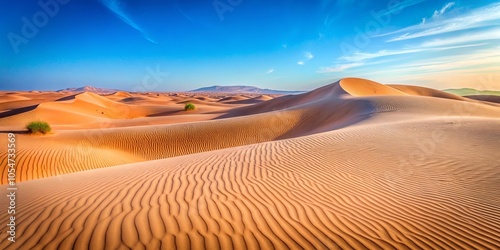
<point>90,89</point>
<point>468,92</point>
<point>245,90</point>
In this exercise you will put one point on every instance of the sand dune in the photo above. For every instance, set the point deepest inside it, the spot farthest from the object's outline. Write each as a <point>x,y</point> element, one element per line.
<point>122,94</point>
<point>325,109</point>
<point>249,100</point>
<point>19,100</point>
<point>422,91</point>
<point>308,192</point>
<point>10,97</point>
<point>352,165</point>
<point>234,98</point>
<point>198,101</point>
<point>362,87</point>
<point>88,110</point>
<point>207,99</point>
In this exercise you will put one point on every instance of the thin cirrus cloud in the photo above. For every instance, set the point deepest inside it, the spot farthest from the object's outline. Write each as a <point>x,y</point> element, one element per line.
<point>270,71</point>
<point>469,62</point>
<point>363,56</point>
<point>399,6</point>
<point>450,61</point>
<point>339,68</point>
<point>115,6</point>
<point>359,59</point>
<point>477,18</point>
<point>440,12</point>
<point>466,41</point>
<point>307,57</point>
<point>482,36</point>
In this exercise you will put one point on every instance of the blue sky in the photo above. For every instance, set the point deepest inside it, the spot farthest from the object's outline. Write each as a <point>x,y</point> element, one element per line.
<point>174,45</point>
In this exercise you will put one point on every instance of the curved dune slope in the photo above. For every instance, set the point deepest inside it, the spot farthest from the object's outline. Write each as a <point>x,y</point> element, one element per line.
<point>252,100</point>
<point>423,91</point>
<point>19,101</point>
<point>207,99</point>
<point>365,187</point>
<point>161,141</point>
<point>331,92</point>
<point>234,98</point>
<point>86,107</point>
<point>12,97</point>
<point>121,94</point>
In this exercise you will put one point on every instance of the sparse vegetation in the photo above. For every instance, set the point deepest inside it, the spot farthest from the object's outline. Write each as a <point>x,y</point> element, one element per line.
<point>189,106</point>
<point>38,127</point>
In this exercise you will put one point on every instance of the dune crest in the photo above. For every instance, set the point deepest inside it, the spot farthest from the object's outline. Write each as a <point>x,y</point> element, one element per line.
<point>121,94</point>
<point>363,87</point>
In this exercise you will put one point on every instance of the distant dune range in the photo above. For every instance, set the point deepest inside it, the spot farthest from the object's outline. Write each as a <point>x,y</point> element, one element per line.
<point>354,164</point>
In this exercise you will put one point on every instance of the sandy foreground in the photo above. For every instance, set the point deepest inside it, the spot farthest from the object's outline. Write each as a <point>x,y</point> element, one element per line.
<point>352,165</point>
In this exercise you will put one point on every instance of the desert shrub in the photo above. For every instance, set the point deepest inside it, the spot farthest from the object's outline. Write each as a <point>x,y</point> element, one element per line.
<point>38,127</point>
<point>189,106</point>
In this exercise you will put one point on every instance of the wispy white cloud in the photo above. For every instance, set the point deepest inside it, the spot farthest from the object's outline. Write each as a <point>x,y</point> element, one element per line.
<point>477,18</point>
<point>115,7</point>
<point>338,68</point>
<point>363,56</point>
<point>470,61</point>
<point>483,58</point>
<point>270,71</point>
<point>363,59</point>
<point>466,71</point>
<point>308,55</point>
<point>475,37</point>
<point>398,6</point>
<point>436,14</point>
<point>443,70</point>
<point>440,12</point>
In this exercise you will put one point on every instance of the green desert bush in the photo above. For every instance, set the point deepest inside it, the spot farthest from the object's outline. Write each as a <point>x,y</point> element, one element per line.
<point>189,106</point>
<point>38,127</point>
